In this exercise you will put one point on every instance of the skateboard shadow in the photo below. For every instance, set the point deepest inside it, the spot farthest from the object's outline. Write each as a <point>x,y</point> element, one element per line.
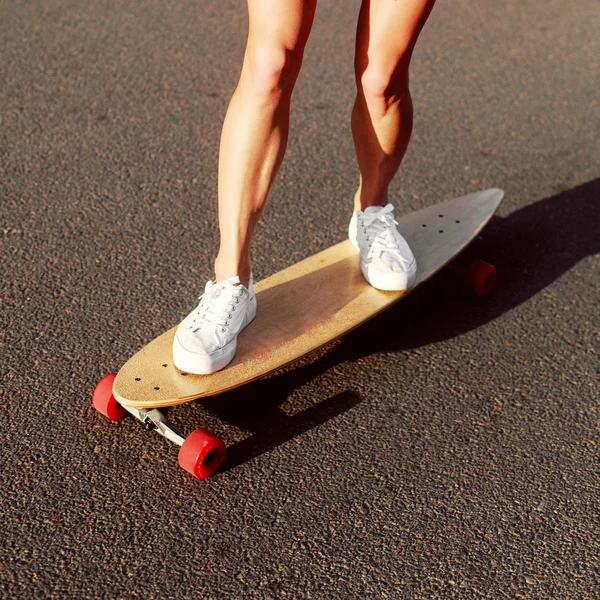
<point>531,248</point>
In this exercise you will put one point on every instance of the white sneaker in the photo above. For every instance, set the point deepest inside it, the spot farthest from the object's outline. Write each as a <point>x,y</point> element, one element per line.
<point>386,261</point>
<point>206,339</point>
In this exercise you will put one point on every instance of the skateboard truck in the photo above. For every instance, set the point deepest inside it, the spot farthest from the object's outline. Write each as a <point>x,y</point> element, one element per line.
<point>201,453</point>
<point>155,420</point>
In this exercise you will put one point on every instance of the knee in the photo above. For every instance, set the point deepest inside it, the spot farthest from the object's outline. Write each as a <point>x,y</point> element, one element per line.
<point>382,82</point>
<point>270,71</point>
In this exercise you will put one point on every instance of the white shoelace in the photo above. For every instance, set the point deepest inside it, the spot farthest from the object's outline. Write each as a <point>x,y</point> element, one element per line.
<point>216,304</point>
<point>379,227</point>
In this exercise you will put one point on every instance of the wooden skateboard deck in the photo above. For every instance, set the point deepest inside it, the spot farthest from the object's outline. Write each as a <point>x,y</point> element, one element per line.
<point>305,306</point>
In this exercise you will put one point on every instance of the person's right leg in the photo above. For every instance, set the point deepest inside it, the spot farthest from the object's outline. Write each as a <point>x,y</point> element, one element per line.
<point>252,148</point>
<point>256,126</point>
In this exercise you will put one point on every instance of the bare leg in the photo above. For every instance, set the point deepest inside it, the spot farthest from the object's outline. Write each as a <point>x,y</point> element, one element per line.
<point>256,126</point>
<point>383,113</point>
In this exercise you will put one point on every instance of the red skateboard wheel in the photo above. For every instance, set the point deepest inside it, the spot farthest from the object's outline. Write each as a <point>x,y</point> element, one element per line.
<point>104,401</point>
<point>480,277</point>
<point>202,453</point>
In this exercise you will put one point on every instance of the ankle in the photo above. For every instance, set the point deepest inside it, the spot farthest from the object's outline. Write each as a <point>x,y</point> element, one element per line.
<point>224,269</point>
<point>363,200</point>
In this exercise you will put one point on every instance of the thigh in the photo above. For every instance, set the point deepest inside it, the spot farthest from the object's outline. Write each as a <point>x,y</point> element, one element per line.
<point>387,32</point>
<point>285,23</point>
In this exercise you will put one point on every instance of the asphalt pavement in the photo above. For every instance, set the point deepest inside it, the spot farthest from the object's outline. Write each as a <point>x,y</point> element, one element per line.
<point>449,448</point>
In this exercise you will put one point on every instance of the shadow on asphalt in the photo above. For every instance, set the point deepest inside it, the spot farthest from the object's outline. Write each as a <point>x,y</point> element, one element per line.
<point>275,427</point>
<point>531,248</point>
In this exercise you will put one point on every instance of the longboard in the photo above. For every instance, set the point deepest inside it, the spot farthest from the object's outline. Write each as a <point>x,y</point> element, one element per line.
<point>300,309</point>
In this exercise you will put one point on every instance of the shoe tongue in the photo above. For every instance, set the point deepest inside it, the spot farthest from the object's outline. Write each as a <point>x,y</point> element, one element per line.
<point>372,209</point>
<point>214,288</point>
<point>227,284</point>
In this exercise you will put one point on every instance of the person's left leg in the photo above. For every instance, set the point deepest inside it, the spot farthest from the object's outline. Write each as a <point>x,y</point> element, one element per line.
<point>383,113</point>
<point>381,126</point>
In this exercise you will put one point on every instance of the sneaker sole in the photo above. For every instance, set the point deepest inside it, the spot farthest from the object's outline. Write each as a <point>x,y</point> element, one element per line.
<point>389,282</point>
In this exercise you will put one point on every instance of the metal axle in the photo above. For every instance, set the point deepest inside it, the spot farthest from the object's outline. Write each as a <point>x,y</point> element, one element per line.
<point>154,419</point>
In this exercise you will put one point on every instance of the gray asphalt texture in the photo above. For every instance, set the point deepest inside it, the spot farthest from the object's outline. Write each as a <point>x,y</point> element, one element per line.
<point>449,448</point>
